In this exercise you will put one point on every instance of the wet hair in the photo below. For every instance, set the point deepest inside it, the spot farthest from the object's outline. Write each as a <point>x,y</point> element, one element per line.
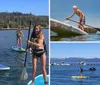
<point>34,35</point>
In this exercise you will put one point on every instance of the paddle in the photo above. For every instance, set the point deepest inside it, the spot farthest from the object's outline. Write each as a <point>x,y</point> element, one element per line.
<point>24,74</point>
<point>84,24</point>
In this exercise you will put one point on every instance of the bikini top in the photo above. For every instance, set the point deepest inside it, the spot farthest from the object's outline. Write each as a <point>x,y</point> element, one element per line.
<point>36,40</point>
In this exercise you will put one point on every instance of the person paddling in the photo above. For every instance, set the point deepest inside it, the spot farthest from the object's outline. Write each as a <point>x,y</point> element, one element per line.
<point>81,71</point>
<point>37,43</point>
<point>81,16</point>
<point>19,35</point>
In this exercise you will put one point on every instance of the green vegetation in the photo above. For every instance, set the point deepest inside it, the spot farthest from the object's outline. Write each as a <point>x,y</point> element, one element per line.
<point>15,19</point>
<point>90,30</point>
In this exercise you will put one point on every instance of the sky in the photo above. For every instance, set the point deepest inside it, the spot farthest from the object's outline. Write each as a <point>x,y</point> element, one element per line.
<point>59,9</point>
<point>80,50</point>
<point>37,7</point>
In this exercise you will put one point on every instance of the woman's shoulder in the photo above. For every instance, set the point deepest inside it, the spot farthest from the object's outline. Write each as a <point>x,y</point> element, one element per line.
<point>41,36</point>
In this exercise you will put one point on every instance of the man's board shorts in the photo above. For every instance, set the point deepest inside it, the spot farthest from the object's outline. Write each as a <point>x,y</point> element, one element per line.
<point>82,21</point>
<point>81,70</point>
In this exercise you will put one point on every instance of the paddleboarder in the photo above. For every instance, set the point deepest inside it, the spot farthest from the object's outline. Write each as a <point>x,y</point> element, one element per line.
<point>81,71</point>
<point>81,16</point>
<point>38,51</point>
<point>19,35</point>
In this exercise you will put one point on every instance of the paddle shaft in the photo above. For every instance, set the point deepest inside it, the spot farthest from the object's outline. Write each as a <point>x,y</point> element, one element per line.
<point>27,43</point>
<point>85,24</point>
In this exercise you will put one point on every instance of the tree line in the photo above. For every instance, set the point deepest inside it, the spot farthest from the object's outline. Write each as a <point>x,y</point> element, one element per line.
<point>15,19</point>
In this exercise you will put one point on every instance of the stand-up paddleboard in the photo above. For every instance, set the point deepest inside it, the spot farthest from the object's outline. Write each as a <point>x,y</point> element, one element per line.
<point>80,76</point>
<point>39,80</point>
<point>3,67</point>
<point>64,29</point>
<point>18,49</point>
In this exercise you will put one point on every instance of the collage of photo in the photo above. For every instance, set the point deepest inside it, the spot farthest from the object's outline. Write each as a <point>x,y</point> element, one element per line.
<point>49,42</point>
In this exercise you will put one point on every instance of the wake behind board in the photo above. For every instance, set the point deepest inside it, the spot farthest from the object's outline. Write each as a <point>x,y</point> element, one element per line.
<point>39,80</point>
<point>3,67</point>
<point>80,77</point>
<point>18,49</point>
<point>63,29</point>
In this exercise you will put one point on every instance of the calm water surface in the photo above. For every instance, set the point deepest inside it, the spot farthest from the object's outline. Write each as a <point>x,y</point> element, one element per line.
<point>14,59</point>
<point>62,75</point>
<point>90,37</point>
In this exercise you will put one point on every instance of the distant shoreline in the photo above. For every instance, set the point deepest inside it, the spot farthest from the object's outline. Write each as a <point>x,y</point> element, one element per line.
<point>17,28</point>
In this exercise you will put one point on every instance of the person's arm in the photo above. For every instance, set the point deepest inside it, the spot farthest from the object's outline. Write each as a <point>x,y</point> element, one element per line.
<point>71,15</point>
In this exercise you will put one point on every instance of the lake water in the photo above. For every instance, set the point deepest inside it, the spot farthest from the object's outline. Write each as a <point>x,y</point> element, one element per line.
<point>62,75</point>
<point>15,60</point>
<point>90,37</point>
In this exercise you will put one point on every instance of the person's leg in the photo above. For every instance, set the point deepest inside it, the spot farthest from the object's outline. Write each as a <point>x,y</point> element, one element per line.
<point>17,41</point>
<point>82,25</point>
<point>20,42</point>
<point>81,75</point>
<point>79,26</point>
<point>43,66</point>
<point>34,63</point>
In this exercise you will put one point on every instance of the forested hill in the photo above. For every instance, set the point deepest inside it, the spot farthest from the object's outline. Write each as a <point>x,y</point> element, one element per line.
<point>15,19</point>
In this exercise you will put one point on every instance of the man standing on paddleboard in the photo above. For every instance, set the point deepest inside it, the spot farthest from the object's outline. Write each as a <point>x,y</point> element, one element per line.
<point>81,71</point>
<point>79,13</point>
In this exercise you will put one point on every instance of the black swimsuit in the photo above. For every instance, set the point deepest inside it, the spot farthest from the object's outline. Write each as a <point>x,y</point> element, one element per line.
<point>38,52</point>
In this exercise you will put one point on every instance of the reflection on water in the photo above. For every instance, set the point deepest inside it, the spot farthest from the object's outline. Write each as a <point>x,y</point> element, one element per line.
<point>15,60</point>
<point>62,75</point>
<point>90,37</point>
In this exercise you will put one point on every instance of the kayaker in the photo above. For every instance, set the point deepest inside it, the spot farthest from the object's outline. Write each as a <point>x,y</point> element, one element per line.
<point>19,35</point>
<point>37,43</point>
<point>81,16</point>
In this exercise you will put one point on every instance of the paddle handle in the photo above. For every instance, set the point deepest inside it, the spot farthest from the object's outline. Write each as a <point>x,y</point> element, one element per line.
<point>27,43</point>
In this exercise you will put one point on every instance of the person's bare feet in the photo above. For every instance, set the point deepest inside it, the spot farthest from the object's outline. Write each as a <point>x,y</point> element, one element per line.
<point>46,83</point>
<point>32,83</point>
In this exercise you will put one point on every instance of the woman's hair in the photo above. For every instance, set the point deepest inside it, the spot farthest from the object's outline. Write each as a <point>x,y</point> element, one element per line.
<point>34,35</point>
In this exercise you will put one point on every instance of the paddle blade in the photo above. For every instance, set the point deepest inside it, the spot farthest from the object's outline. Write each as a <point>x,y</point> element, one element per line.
<point>24,75</point>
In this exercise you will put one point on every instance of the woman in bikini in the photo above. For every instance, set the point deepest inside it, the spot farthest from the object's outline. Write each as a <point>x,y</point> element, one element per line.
<point>38,51</point>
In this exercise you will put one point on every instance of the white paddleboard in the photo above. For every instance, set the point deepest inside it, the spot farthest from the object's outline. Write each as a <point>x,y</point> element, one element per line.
<point>3,67</point>
<point>18,49</point>
<point>39,80</point>
<point>62,28</point>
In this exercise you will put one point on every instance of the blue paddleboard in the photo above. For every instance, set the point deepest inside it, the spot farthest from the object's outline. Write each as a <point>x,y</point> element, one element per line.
<point>18,49</point>
<point>39,80</point>
<point>3,67</point>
